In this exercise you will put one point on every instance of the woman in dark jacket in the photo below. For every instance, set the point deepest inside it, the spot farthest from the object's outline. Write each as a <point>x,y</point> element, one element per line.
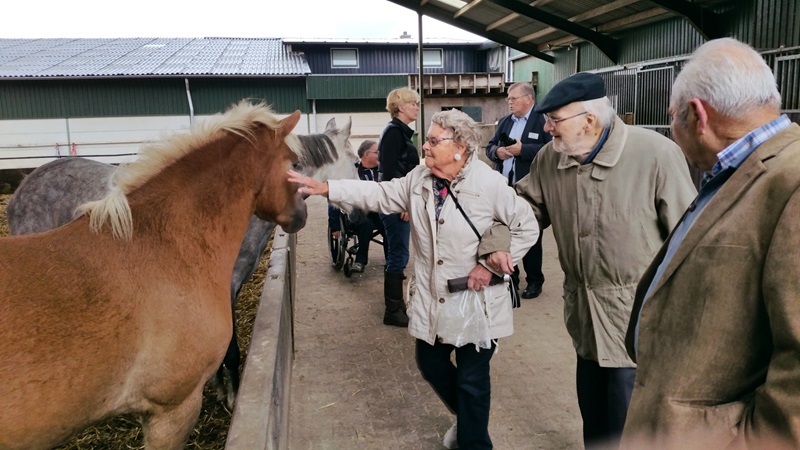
<point>397,156</point>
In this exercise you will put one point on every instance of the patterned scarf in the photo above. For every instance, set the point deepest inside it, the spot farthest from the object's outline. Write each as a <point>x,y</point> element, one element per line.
<point>439,193</point>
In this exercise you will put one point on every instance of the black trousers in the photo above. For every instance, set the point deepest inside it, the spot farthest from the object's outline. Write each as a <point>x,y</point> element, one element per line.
<point>532,262</point>
<point>603,397</point>
<point>465,388</point>
<point>364,230</point>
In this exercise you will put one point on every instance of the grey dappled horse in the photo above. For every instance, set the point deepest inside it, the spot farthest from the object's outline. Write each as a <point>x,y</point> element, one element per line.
<point>47,199</point>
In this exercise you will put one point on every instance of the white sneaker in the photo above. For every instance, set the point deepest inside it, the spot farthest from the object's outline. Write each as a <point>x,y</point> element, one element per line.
<point>450,440</point>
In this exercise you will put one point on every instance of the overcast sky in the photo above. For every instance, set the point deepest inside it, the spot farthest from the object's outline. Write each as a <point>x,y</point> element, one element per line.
<point>216,18</point>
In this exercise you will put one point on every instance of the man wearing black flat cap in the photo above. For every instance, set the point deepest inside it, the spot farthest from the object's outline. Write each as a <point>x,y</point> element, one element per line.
<point>518,138</point>
<point>612,192</point>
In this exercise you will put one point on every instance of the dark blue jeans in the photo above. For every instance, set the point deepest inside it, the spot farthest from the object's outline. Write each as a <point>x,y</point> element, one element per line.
<point>364,231</point>
<point>398,232</point>
<point>603,397</point>
<point>465,388</point>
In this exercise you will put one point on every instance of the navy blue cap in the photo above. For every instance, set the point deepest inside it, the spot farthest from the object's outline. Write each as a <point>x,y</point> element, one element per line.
<point>576,88</point>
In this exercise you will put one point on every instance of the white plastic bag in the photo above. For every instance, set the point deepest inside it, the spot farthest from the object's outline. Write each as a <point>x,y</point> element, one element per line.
<point>463,320</point>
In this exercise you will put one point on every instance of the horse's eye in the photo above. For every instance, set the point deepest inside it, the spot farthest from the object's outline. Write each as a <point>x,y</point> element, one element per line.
<point>297,167</point>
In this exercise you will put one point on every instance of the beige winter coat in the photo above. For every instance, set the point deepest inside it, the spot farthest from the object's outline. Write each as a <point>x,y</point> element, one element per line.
<point>609,219</point>
<point>448,248</point>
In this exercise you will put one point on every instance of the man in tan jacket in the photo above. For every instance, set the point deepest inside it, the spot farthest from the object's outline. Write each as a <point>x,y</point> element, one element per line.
<point>612,192</point>
<point>715,328</point>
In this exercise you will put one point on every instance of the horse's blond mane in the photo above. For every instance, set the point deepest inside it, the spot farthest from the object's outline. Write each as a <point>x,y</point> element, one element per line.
<point>240,119</point>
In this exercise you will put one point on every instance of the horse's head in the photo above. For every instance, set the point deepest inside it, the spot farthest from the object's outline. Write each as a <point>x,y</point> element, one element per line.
<point>278,201</point>
<point>323,161</point>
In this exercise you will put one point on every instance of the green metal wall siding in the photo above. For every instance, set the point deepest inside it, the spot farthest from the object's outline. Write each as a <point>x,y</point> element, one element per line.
<point>352,106</point>
<point>764,24</point>
<point>670,37</point>
<point>523,68</point>
<point>43,99</point>
<point>328,87</point>
<point>212,95</point>
<point>769,24</point>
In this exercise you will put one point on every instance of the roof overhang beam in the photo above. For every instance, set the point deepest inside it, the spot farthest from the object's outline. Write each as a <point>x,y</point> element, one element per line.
<point>591,14</point>
<point>606,44</point>
<point>475,28</point>
<point>705,21</point>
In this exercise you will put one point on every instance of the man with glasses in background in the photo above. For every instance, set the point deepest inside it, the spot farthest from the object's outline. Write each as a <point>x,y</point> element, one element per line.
<point>518,138</point>
<point>613,192</point>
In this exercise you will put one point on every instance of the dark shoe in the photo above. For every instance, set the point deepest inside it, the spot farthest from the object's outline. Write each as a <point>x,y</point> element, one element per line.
<point>357,268</point>
<point>532,291</point>
<point>398,318</point>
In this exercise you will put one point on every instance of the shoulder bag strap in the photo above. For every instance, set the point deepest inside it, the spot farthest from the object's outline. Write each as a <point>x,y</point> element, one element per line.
<point>515,301</point>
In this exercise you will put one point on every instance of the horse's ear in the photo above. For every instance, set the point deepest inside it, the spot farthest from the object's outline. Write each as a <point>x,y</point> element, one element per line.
<point>331,125</point>
<point>288,124</point>
<point>346,129</point>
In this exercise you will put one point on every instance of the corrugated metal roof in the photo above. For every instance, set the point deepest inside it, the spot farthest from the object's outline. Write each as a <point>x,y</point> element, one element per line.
<point>148,57</point>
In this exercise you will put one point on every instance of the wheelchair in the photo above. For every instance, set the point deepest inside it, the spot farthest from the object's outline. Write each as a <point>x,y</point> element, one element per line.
<point>343,249</point>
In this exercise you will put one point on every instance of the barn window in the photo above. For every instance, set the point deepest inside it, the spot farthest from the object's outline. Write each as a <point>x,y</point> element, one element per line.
<point>342,58</point>
<point>431,57</point>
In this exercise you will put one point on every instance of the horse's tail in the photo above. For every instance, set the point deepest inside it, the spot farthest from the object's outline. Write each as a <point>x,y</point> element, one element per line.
<point>114,210</point>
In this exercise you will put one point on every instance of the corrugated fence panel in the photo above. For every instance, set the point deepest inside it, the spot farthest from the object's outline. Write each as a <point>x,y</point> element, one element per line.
<point>653,87</point>
<point>212,95</point>
<point>787,73</point>
<point>621,90</point>
<point>353,86</point>
<point>771,23</point>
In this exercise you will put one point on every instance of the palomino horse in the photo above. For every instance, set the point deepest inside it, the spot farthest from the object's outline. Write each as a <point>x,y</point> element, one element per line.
<point>126,309</point>
<point>49,196</point>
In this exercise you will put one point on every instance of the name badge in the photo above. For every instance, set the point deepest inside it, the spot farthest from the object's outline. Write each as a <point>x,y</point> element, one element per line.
<point>533,135</point>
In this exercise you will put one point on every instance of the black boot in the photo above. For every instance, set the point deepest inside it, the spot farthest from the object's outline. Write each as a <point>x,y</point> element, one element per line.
<point>395,313</point>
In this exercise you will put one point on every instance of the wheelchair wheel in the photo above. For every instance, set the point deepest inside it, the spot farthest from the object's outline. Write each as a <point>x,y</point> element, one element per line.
<point>348,265</point>
<point>337,247</point>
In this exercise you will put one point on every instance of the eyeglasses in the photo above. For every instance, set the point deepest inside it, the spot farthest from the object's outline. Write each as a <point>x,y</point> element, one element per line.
<point>557,121</point>
<point>433,142</point>
<point>513,99</point>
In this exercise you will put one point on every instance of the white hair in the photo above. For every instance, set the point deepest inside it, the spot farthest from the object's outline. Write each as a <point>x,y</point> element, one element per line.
<point>465,130</point>
<point>602,109</point>
<point>728,75</point>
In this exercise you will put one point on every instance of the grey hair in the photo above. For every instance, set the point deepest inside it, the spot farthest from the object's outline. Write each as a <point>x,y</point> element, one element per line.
<point>728,75</point>
<point>602,109</point>
<point>526,88</point>
<point>366,145</point>
<point>465,130</point>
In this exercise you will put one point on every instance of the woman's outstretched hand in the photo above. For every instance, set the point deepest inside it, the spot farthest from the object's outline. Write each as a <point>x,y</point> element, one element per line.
<point>310,185</point>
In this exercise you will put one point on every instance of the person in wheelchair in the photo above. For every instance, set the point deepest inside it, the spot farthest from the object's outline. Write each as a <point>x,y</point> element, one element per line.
<point>361,223</point>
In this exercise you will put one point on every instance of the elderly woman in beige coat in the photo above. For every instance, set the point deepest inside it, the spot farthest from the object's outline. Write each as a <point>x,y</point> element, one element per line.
<point>445,247</point>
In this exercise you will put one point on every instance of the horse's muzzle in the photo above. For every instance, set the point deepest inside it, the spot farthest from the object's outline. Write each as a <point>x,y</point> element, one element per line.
<point>298,220</point>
